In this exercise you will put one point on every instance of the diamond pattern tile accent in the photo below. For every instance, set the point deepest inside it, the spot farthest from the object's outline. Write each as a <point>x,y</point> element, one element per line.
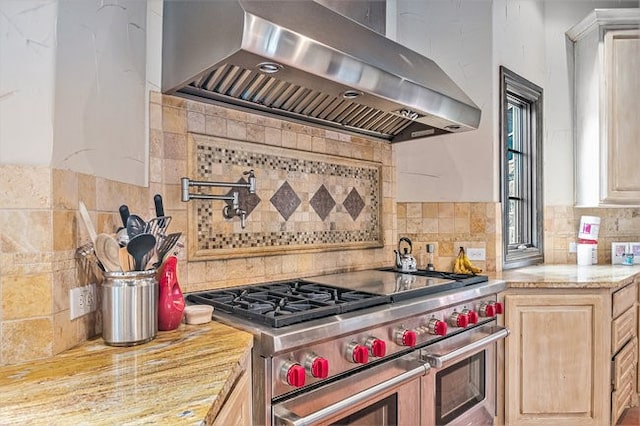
<point>285,200</point>
<point>248,201</point>
<point>322,202</point>
<point>353,204</point>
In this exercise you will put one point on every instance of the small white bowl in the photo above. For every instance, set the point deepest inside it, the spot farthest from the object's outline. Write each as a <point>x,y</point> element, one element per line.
<point>197,314</point>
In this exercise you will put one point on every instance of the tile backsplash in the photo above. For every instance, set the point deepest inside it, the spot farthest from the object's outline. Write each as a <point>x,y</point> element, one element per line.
<point>41,229</point>
<point>449,226</point>
<point>303,200</point>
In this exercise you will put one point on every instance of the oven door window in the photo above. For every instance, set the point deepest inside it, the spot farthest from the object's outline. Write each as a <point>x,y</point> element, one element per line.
<point>380,413</point>
<point>460,387</point>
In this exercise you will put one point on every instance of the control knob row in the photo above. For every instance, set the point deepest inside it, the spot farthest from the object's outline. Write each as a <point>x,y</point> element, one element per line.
<point>294,374</point>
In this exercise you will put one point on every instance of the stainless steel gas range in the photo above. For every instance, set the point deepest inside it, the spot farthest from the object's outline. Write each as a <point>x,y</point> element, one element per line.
<point>369,347</point>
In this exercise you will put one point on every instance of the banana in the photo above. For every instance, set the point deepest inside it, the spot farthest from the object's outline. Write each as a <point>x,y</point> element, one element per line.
<point>463,265</point>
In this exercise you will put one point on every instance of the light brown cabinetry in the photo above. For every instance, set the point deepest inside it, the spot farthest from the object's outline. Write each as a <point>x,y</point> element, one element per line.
<point>236,410</point>
<point>571,358</point>
<point>607,115</point>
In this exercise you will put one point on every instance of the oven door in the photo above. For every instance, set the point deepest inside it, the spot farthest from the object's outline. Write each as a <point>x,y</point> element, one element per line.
<point>461,388</point>
<point>386,394</point>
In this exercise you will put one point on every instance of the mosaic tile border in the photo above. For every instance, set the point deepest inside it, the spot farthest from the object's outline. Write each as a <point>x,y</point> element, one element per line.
<point>285,215</point>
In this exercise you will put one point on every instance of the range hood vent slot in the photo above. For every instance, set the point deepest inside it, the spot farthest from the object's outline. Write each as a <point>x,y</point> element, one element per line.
<point>290,59</point>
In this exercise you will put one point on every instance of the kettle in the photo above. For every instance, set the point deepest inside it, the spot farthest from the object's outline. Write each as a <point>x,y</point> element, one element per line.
<point>405,261</point>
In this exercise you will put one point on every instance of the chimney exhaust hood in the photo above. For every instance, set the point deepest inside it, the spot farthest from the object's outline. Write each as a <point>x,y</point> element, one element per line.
<point>302,61</point>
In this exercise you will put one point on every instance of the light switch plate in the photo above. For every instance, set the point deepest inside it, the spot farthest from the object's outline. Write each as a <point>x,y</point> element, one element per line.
<point>573,247</point>
<point>82,300</point>
<point>476,254</point>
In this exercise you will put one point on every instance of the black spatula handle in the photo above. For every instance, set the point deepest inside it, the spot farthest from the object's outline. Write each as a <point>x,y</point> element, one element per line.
<point>124,214</point>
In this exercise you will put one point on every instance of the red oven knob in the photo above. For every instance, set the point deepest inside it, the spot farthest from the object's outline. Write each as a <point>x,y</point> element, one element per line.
<point>471,315</point>
<point>458,319</point>
<point>377,347</point>
<point>320,368</point>
<point>293,374</point>
<point>437,327</point>
<point>497,307</point>
<point>316,366</point>
<point>357,353</point>
<point>404,337</point>
<point>487,310</point>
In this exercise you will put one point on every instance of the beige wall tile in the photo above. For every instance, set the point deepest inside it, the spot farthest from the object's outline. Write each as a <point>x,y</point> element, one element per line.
<point>65,332</point>
<point>215,125</point>
<point>175,146</point>
<point>236,130</point>
<point>174,119</point>
<point>25,187</point>
<point>65,234</point>
<point>445,210</point>
<point>65,189</point>
<point>25,231</point>
<point>25,340</point>
<point>25,296</point>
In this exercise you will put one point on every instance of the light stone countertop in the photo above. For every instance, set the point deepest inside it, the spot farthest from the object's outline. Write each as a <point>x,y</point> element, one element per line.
<point>569,276</point>
<point>181,377</point>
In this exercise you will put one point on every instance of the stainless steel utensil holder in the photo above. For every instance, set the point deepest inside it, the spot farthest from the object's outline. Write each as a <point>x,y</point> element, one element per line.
<point>129,307</point>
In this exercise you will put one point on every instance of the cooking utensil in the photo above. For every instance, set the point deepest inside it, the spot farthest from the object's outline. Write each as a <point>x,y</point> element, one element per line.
<point>84,214</point>
<point>135,225</point>
<point>138,247</point>
<point>166,245</point>
<point>124,214</point>
<point>157,201</point>
<point>126,261</point>
<point>122,236</point>
<point>158,226</point>
<point>107,250</point>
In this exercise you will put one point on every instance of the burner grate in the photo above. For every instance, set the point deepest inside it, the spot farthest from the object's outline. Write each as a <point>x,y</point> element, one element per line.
<point>285,303</point>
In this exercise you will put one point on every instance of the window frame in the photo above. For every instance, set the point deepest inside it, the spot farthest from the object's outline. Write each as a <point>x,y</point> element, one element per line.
<point>530,251</point>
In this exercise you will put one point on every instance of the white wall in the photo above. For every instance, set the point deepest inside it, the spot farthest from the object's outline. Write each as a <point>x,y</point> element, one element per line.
<point>99,120</point>
<point>74,83</point>
<point>457,36</point>
<point>27,69</point>
<point>470,40</point>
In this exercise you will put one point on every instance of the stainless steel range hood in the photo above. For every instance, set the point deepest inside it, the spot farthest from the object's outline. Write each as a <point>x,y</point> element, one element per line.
<point>303,61</point>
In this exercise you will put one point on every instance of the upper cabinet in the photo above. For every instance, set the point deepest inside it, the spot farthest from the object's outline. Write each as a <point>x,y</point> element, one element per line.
<point>607,107</point>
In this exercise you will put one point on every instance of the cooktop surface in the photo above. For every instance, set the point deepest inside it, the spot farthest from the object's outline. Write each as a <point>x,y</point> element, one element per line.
<point>398,286</point>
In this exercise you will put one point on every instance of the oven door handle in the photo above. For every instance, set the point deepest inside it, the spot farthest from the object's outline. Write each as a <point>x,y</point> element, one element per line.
<point>460,349</point>
<point>286,417</point>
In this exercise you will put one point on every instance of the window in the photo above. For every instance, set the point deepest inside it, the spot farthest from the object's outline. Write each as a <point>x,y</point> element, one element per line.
<point>521,170</point>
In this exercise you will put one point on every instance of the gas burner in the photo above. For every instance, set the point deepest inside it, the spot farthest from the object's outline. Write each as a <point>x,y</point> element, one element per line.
<point>289,302</point>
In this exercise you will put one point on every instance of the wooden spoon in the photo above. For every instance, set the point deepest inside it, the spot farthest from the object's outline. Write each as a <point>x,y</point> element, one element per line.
<point>126,261</point>
<point>107,251</point>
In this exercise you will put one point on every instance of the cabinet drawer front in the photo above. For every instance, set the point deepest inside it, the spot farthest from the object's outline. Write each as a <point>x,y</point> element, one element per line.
<point>624,365</point>
<point>620,400</point>
<point>623,329</point>
<point>623,299</point>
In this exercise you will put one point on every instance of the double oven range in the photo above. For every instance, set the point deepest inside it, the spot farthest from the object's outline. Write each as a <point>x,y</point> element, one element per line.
<point>369,347</point>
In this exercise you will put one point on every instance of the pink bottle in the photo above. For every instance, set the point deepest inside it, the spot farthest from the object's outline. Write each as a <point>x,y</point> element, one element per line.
<point>170,298</point>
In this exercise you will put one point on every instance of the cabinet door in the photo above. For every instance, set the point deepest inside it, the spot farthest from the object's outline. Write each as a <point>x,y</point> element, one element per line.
<point>622,112</point>
<point>236,411</point>
<point>556,360</point>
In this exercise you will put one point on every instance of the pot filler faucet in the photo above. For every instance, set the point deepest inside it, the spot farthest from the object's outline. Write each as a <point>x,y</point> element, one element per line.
<point>229,212</point>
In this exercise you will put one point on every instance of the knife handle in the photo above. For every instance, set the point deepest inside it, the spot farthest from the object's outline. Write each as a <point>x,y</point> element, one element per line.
<point>124,214</point>
<point>157,200</point>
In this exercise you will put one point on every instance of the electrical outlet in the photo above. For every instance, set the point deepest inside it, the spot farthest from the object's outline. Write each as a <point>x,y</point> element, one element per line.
<point>476,254</point>
<point>573,247</point>
<point>82,300</point>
